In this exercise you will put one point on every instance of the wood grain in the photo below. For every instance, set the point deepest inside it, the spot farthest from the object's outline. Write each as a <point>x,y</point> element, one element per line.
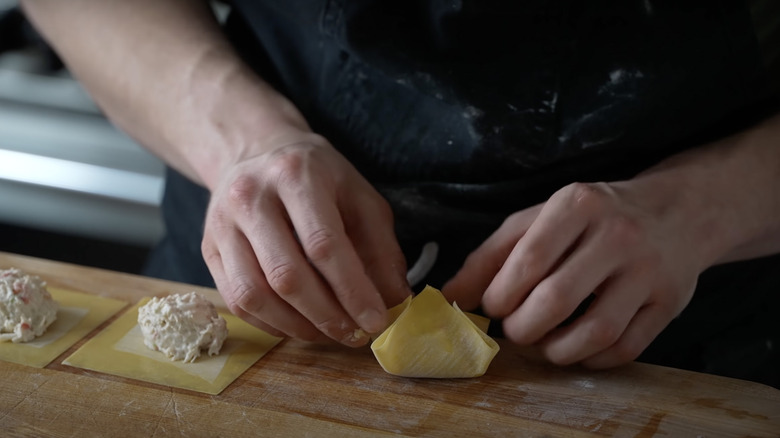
<point>302,389</point>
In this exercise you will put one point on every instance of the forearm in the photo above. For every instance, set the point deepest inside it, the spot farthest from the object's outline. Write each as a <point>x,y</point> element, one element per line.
<point>730,191</point>
<point>163,72</point>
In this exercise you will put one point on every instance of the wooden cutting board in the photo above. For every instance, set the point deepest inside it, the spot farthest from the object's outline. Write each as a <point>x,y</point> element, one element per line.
<point>302,389</point>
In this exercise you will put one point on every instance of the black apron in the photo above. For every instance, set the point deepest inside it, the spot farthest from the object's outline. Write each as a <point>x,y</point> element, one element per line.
<point>463,112</point>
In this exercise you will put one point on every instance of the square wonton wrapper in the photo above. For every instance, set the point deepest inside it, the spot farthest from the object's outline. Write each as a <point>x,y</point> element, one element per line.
<point>78,315</point>
<point>430,338</point>
<point>120,350</point>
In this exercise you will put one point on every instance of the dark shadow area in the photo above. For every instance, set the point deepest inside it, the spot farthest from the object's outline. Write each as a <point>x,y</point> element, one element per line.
<point>72,249</point>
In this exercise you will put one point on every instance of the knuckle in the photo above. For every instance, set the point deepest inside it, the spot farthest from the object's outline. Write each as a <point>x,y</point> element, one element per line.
<point>210,252</point>
<point>234,308</point>
<point>586,195</point>
<point>668,307</point>
<point>320,245</point>
<point>287,167</point>
<point>557,358</point>
<point>383,208</point>
<point>347,294</point>
<point>217,220</point>
<point>334,327</point>
<point>283,279</point>
<point>480,262</point>
<point>624,352</point>
<point>517,336</point>
<point>514,220</point>
<point>242,191</point>
<point>374,262</point>
<point>603,333</point>
<point>533,262</point>
<point>242,294</point>
<point>398,262</point>
<point>555,299</point>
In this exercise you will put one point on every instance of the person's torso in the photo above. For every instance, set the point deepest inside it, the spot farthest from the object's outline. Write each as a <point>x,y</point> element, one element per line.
<point>472,109</point>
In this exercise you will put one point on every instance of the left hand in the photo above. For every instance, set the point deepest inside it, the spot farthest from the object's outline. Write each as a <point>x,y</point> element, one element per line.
<point>622,242</point>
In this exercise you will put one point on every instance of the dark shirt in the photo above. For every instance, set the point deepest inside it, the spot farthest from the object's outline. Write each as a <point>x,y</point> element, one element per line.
<point>462,112</point>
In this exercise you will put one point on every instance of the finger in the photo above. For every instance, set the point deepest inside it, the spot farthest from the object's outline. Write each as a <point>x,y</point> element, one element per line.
<point>259,324</point>
<point>648,322</point>
<point>546,242</point>
<point>556,297</point>
<point>374,240</point>
<point>602,324</point>
<point>245,290</point>
<point>319,337</point>
<point>214,262</point>
<point>292,279</point>
<point>481,266</point>
<point>321,232</point>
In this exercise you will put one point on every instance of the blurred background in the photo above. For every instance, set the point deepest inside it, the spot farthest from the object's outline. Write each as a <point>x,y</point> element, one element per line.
<point>72,187</point>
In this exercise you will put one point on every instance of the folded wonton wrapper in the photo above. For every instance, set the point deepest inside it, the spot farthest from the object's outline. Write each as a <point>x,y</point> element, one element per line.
<point>430,338</point>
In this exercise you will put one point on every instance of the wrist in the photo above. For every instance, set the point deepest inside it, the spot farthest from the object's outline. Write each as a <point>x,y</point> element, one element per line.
<point>725,193</point>
<point>234,115</point>
<point>678,197</point>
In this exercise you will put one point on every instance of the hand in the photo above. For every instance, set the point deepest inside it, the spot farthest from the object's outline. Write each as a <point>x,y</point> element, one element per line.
<point>617,241</point>
<point>299,244</point>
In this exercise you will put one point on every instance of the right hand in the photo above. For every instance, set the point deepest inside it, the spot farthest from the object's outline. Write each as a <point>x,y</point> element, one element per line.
<point>299,244</point>
<point>297,241</point>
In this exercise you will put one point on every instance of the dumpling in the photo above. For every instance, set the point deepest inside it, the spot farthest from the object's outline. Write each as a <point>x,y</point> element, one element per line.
<point>430,338</point>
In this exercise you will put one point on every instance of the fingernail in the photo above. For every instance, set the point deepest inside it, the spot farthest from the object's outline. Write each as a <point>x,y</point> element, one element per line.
<point>371,320</point>
<point>355,338</point>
